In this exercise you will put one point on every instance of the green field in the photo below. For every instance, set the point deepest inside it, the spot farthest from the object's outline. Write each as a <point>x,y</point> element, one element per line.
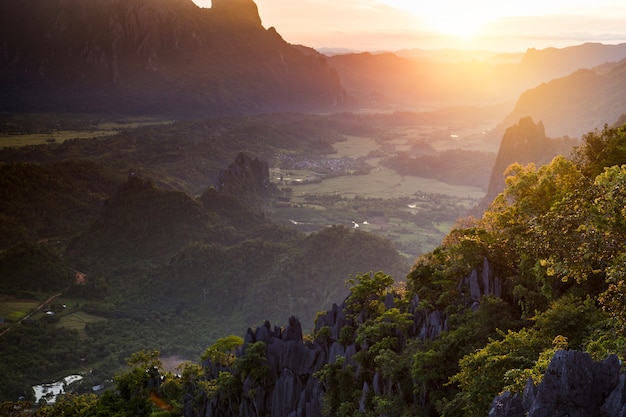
<point>416,213</point>
<point>26,132</point>
<point>52,137</point>
<point>355,146</point>
<point>77,321</point>
<point>13,309</point>
<point>385,183</point>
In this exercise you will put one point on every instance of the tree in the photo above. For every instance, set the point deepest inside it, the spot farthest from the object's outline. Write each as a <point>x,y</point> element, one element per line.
<point>70,405</point>
<point>367,295</point>
<point>535,222</point>
<point>609,221</point>
<point>138,390</point>
<point>222,352</point>
<point>340,389</point>
<point>483,373</point>
<point>600,150</point>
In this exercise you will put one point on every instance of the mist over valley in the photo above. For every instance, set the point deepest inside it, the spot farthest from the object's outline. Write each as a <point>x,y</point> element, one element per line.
<point>412,231</point>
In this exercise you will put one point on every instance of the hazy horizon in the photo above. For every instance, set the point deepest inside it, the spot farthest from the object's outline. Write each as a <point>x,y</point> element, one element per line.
<point>371,25</point>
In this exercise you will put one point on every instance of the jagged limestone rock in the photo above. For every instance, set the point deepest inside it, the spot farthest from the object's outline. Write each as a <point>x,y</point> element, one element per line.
<point>507,405</point>
<point>530,392</point>
<point>362,401</point>
<point>615,405</point>
<point>474,287</point>
<point>573,385</point>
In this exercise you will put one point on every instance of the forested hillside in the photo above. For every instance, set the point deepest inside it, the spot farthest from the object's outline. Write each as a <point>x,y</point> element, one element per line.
<point>134,266</point>
<point>542,270</point>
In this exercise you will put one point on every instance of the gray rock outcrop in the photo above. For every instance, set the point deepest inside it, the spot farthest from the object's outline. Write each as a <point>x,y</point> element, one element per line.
<point>573,385</point>
<point>292,389</point>
<point>481,282</point>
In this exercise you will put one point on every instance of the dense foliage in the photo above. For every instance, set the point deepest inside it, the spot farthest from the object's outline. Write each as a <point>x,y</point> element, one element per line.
<point>555,238</point>
<point>164,270</point>
<point>51,201</point>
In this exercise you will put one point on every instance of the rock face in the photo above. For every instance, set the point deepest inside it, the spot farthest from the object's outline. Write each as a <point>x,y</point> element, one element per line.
<point>246,178</point>
<point>524,142</point>
<point>165,57</point>
<point>480,282</point>
<point>242,11</point>
<point>292,389</point>
<point>573,385</point>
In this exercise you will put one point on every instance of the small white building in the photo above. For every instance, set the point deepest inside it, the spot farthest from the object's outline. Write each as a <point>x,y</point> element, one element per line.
<point>49,392</point>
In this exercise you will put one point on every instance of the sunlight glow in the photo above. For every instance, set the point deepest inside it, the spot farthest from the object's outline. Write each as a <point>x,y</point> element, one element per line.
<point>376,25</point>
<point>463,27</point>
<point>460,19</point>
<point>464,19</point>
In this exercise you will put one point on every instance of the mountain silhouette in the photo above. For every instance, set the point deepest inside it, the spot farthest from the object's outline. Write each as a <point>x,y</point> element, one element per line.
<point>524,142</point>
<point>420,78</point>
<point>578,103</point>
<point>154,57</point>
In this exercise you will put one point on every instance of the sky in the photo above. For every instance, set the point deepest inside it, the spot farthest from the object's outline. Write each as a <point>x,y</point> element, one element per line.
<point>497,25</point>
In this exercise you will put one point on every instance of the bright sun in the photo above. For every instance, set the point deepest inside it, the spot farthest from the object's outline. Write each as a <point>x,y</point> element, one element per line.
<point>461,19</point>
<point>457,26</point>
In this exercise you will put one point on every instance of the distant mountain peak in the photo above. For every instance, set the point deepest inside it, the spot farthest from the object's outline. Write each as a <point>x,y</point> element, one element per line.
<point>525,142</point>
<point>166,57</point>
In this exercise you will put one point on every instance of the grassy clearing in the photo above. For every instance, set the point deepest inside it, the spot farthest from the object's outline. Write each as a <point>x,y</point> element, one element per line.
<point>415,231</point>
<point>293,177</point>
<point>90,131</point>
<point>386,183</point>
<point>77,321</point>
<point>13,309</point>
<point>53,137</point>
<point>445,137</point>
<point>444,227</point>
<point>131,123</point>
<point>410,213</point>
<point>355,147</point>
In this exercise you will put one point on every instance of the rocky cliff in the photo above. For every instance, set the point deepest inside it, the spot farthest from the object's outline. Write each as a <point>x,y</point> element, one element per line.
<point>154,57</point>
<point>292,387</point>
<point>245,175</point>
<point>524,142</point>
<point>573,385</point>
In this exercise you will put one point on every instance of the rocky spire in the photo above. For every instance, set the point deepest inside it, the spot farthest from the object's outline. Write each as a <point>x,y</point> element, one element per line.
<point>524,142</point>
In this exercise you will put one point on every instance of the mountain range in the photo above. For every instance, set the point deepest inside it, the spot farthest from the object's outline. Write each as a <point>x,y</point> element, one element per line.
<point>141,251</point>
<point>154,57</point>
<point>583,101</point>
<point>418,79</point>
<point>171,57</point>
